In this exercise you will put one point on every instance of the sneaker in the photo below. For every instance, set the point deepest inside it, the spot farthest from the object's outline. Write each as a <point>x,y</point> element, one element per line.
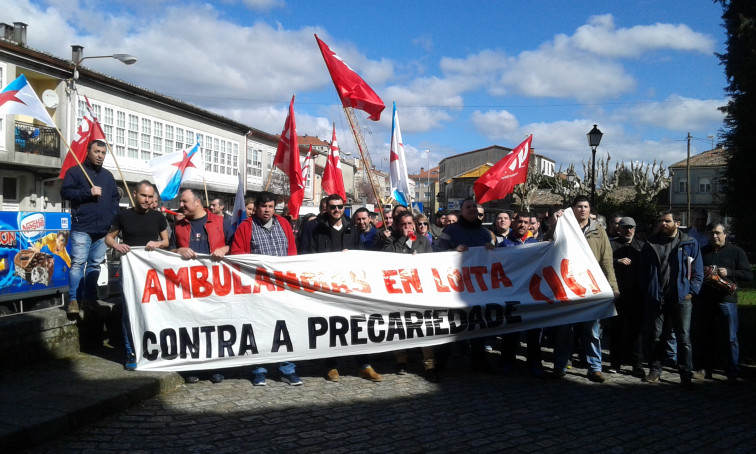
<point>652,377</point>
<point>191,379</point>
<point>259,380</point>
<point>217,378</point>
<point>569,364</point>
<point>369,374</point>
<point>595,376</point>
<point>401,369</point>
<point>131,362</point>
<point>73,308</point>
<point>333,375</point>
<point>292,379</point>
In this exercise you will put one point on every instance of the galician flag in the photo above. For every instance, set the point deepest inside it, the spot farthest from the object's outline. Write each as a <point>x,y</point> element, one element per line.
<point>333,180</point>
<point>19,98</point>
<point>171,170</point>
<point>400,189</point>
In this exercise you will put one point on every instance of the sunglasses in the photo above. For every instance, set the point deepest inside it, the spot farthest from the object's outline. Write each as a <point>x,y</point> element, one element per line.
<point>335,207</point>
<point>423,223</point>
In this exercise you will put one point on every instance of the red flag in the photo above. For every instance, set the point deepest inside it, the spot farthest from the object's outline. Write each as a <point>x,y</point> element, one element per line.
<point>333,180</point>
<point>89,130</point>
<point>287,159</point>
<point>352,90</point>
<point>501,179</point>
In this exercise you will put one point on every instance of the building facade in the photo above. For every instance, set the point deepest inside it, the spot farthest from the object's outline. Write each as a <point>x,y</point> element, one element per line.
<point>705,186</point>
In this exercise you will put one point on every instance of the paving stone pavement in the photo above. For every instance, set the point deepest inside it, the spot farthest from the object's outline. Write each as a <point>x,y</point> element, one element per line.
<point>464,412</point>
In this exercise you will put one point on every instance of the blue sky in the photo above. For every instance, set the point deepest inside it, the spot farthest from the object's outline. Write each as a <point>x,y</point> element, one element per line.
<point>464,75</point>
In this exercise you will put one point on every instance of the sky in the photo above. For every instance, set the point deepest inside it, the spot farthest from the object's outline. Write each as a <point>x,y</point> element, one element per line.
<point>464,75</point>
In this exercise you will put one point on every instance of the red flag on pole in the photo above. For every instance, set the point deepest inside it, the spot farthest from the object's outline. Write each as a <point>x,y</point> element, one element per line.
<point>89,130</point>
<point>352,90</point>
<point>287,159</point>
<point>501,179</point>
<point>333,180</point>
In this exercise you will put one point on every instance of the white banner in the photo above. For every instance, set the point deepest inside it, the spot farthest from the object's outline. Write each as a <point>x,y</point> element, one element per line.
<point>254,309</point>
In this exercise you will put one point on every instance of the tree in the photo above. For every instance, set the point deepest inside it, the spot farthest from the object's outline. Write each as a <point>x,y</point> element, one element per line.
<point>739,133</point>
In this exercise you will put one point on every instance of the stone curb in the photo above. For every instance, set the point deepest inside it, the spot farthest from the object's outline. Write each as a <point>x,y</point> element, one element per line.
<point>46,400</point>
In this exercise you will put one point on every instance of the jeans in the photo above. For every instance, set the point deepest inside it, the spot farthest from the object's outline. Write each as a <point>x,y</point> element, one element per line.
<point>126,327</point>
<point>720,327</point>
<point>660,320</point>
<point>86,251</point>
<point>590,342</point>
<point>285,368</point>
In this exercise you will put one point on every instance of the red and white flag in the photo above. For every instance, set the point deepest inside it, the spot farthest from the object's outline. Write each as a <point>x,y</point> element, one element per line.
<point>306,167</point>
<point>501,179</point>
<point>287,159</point>
<point>89,130</point>
<point>353,91</point>
<point>333,180</point>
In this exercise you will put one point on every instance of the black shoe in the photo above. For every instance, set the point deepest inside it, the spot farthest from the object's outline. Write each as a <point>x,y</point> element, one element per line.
<point>638,372</point>
<point>652,377</point>
<point>431,375</point>
<point>401,369</point>
<point>191,379</point>
<point>559,374</point>
<point>217,378</point>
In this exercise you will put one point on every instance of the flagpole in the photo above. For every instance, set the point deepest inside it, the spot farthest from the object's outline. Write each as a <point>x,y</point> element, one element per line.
<point>358,138</point>
<point>125,185</point>
<point>207,198</point>
<point>267,182</point>
<point>74,155</point>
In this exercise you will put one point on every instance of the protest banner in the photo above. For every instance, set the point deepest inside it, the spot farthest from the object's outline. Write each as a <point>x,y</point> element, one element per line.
<point>254,309</point>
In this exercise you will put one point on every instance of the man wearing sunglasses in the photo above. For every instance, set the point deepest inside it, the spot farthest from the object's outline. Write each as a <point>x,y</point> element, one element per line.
<point>335,233</point>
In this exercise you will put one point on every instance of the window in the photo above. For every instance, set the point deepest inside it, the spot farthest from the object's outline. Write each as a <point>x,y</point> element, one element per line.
<point>146,126</point>
<point>133,123</point>
<point>120,136</point>
<point>121,118</point>
<point>108,132</point>
<point>158,132</point>
<point>682,185</point>
<point>179,138</point>
<point>108,120</point>
<point>146,142</point>
<point>704,185</point>
<point>10,189</point>
<point>169,132</point>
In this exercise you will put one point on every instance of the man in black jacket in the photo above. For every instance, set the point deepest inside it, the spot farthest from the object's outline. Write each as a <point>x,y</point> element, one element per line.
<point>93,207</point>
<point>719,310</point>
<point>626,327</point>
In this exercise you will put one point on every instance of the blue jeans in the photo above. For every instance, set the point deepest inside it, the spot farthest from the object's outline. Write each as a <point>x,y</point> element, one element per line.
<point>86,251</point>
<point>660,320</point>
<point>720,326</point>
<point>285,368</point>
<point>590,342</point>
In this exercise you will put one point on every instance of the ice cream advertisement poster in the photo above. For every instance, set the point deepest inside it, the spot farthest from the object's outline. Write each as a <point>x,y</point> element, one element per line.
<point>34,251</point>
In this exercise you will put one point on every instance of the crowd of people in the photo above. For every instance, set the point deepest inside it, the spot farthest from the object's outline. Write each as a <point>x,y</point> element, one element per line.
<point>674,291</point>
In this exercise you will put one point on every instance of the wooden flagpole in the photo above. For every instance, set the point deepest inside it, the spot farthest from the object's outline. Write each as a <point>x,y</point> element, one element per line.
<point>123,179</point>
<point>362,147</point>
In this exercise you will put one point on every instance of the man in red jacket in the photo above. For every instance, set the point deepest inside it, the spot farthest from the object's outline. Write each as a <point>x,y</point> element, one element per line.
<point>199,232</point>
<point>267,233</point>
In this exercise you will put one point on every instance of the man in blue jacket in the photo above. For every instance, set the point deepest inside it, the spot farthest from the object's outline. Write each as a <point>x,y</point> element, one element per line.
<point>93,207</point>
<point>671,265</point>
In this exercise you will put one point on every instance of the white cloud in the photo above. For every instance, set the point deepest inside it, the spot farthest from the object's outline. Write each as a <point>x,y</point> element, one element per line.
<point>676,113</point>
<point>263,5</point>
<point>425,103</point>
<point>600,37</point>
<point>495,125</point>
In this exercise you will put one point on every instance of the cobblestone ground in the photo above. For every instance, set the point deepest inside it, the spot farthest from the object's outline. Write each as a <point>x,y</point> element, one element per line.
<point>464,412</point>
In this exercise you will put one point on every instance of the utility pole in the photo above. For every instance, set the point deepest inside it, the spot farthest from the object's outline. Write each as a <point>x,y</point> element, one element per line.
<point>687,186</point>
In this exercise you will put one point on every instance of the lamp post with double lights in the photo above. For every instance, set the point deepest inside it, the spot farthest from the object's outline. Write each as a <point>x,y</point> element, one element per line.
<point>594,138</point>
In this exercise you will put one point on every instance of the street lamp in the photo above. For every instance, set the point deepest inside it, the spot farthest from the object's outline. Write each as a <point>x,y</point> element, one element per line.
<point>594,138</point>
<point>428,190</point>
<point>77,55</point>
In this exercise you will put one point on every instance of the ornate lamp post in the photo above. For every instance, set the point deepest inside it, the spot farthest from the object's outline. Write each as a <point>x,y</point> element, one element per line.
<point>594,138</point>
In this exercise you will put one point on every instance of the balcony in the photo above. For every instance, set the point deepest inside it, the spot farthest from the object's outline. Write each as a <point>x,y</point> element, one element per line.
<point>37,140</point>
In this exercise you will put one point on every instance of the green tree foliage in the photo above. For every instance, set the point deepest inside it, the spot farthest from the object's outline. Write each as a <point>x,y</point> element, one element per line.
<point>739,133</point>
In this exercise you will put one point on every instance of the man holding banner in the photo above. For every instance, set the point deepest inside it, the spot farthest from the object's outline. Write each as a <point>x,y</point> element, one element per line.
<point>588,331</point>
<point>267,233</point>
<point>93,207</point>
<point>200,232</point>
